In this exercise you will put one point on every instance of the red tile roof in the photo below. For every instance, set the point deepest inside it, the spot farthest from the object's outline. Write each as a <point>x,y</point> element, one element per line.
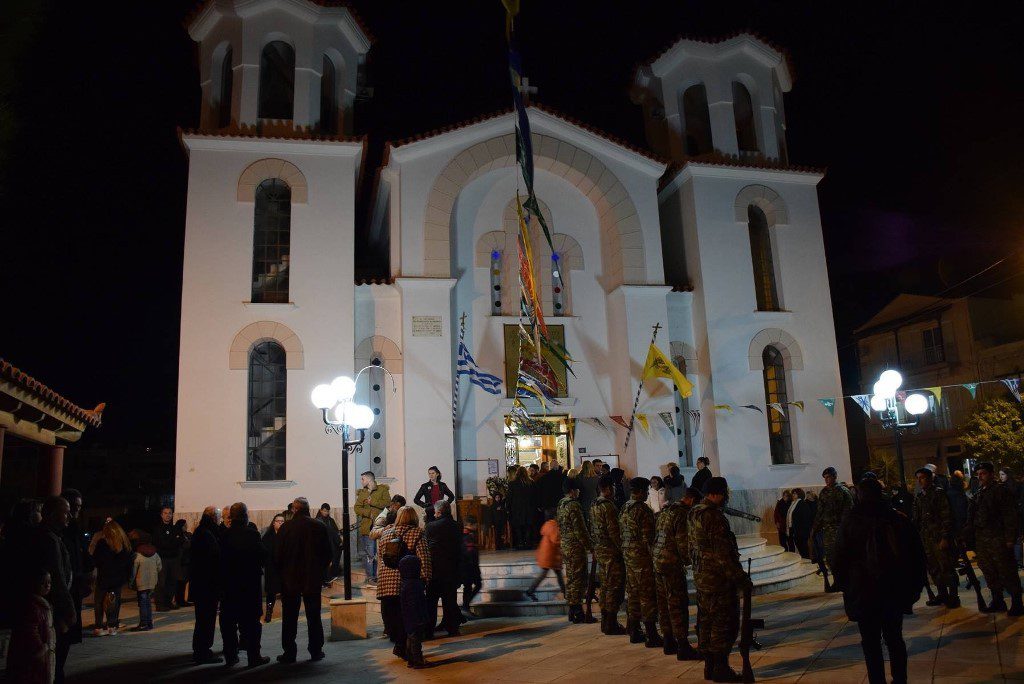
<point>720,159</point>
<point>721,39</point>
<point>375,281</point>
<point>200,6</point>
<point>18,377</point>
<point>278,132</point>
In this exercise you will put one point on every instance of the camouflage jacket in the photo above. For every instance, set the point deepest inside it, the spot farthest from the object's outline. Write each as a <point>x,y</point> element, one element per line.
<point>833,503</point>
<point>636,521</point>
<point>671,548</point>
<point>932,515</point>
<point>713,550</point>
<point>572,528</point>
<point>604,525</point>
<point>994,511</point>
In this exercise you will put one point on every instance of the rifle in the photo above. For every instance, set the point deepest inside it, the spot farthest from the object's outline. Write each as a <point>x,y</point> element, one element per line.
<point>737,513</point>
<point>747,627</point>
<point>972,578</point>
<point>591,589</point>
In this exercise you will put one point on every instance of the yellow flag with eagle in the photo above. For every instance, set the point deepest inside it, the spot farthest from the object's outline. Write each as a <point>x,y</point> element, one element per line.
<point>659,366</point>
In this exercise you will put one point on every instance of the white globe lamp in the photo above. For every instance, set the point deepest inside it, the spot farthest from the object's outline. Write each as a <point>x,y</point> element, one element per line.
<point>359,417</point>
<point>880,389</point>
<point>891,379</point>
<point>878,403</point>
<point>916,404</point>
<point>323,396</point>
<point>344,388</point>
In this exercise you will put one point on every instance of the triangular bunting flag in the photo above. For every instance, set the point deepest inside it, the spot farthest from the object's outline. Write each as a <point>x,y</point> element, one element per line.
<point>864,401</point>
<point>723,407</point>
<point>620,421</point>
<point>1013,384</point>
<point>798,404</point>
<point>695,419</point>
<point>777,407</point>
<point>752,407</point>
<point>642,418</point>
<point>666,418</point>
<point>936,392</point>
<point>971,387</point>
<point>830,404</point>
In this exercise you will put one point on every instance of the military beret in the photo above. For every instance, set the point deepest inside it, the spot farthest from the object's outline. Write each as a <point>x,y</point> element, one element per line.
<point>986,465</point>
<point>694,493</point>
<point>571,484</point>
<point>829,471</point>
<point>869,475</point>
<point>717,485</point>
<point>638,484</point>
<point>606,481</point>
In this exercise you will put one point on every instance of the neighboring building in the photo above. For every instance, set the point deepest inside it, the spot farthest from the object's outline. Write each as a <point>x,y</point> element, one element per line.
<point>723,248</point>
<point>934,342</point>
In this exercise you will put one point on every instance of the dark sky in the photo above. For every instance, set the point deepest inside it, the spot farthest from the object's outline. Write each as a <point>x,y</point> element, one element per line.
<point>915,112</point>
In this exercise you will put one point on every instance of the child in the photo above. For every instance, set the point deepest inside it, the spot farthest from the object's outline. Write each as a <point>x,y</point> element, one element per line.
<point>414,609</point>
<point>469,564</point>
<point>31,655</point>
<point>549,554</point>
<point>146,567</point>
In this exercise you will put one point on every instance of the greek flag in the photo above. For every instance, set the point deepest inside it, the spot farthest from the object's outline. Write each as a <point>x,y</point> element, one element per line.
<point>467,366</point>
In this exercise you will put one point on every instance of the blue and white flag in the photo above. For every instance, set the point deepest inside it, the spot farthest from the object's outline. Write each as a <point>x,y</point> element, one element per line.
<point>467,366</point>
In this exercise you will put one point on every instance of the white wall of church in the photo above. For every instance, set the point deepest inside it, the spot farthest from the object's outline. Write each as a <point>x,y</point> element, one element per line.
<point>216,289</point>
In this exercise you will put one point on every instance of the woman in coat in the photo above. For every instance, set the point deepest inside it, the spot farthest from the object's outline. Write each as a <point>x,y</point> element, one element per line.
<point>780,518</point>
<point>432,491</point>
<point>112,553</point>
<point>520,508</point>
<point>675,485</point>
<point>271,582</point>
<point>389,581</point>
<point>588,488</point>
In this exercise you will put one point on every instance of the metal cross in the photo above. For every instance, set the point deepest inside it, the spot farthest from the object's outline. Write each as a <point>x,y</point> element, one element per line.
<point>526,90</point>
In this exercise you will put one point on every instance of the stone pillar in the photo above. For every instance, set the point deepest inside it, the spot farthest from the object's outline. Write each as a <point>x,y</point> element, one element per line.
<point>53,471</point>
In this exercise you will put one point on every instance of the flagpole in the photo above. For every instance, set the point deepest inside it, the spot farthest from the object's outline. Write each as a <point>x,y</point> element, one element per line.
<point>636,402</point>
<point>455,389</point>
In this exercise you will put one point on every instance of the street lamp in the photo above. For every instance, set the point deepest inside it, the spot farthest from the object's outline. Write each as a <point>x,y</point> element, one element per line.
<point>342,416</point>
<point>884,401</point>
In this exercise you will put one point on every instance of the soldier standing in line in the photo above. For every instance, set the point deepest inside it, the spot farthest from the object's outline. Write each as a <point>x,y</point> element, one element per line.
<point>933,519</point>
<point>833,503</point>
<point>604,530</point>
<point>575,542</point>
<point>993,522</point>
<point>671,551</point>
<point>637,524</point>
<point>718,576</point>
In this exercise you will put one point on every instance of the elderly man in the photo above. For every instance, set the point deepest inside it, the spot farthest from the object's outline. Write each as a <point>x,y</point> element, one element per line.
<point>243,557</point>
<point>302,555</point>
<point>444,536</point>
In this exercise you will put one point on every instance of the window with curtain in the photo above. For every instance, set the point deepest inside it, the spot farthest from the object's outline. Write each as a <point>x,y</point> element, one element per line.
<point>268,384</point>
<point>696,121</point>
<point>328,98</point>
<point>743,113</point>
<point>780,438</point>
<point>277,81</point>
<point>271,242</point>
<point>226,82</point>
<point>761,256</point>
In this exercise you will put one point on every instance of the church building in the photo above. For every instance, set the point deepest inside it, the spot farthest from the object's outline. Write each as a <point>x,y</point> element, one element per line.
<point>711,238</point>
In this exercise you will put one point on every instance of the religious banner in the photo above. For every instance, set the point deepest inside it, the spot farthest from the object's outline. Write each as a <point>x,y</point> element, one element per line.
<point>644,423</point>
<point>666,418</point>
<point>752,407</point>
<point>971,387</point>
<point>659,366</point>
<point>830,404</point>
<point>798,404</point>
<point>1013,384</point>
<point>864,401</point>
<point>776,406</point>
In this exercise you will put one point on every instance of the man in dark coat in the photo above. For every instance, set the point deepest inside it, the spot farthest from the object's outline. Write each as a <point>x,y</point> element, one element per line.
<point>51,554</point>
<point>880,568</point>
<point>81,573</point>
<point>168,540</point>
<point>802,518</point>
<point>302,556</point>
<point>204,586</point>
<point>334,537</point>
<point>550,484</point>
<point>444,537</point>
<point>243,557</point>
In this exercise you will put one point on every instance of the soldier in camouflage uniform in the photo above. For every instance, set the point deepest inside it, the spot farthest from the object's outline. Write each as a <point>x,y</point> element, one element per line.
<point>604,530</point>
<point>636,521</point>
<point>671,552</point>
<point>718,576</point>
<point>933,519</point>
<point>575,542</point>
<point>992,521</point>
<point>833,503</point>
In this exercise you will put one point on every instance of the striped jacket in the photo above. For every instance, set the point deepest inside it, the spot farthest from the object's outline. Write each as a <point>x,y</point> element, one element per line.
<point>388,580</point>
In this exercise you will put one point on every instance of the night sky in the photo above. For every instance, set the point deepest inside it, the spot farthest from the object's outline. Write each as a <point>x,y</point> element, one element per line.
<point>915,113</point>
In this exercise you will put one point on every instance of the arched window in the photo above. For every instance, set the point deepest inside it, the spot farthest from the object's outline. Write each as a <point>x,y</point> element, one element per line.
<point>226,78</point>
<point>495,282</point>
<point>277,81</point>
<point>761,256</point>
<point>328,98</point>
<point>697,120</point>
<point>268,384</point>
<point>780,437</point>
<point>271,241</point>
<point>743,112</point>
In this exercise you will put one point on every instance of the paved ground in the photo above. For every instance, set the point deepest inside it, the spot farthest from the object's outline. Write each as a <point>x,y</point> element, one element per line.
<point>807,639</point>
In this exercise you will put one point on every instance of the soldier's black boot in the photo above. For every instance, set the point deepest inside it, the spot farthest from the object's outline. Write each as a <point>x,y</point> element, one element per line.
<point>575,614</point>
<point>604,623</point>
<point>1016,606</point>
<point>670,647</point>
<point>940,599</point>
<point>684,651</point>
<point>722,672</point>
<point>709,666</point>
<point>636,634</point>
<point>614,628</point>
<point>954,595</point>
<point>654,639</point>
<point>998,605</point>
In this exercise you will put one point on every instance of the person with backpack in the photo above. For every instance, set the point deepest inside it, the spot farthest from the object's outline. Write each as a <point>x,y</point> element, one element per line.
<point>880,568</point>
<point>396,541</point>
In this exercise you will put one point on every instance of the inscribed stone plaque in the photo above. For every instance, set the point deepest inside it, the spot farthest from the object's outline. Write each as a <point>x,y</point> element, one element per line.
<point>427,326</point>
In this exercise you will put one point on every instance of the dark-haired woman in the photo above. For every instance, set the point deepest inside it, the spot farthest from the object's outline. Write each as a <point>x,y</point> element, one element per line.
<point>432,491</point>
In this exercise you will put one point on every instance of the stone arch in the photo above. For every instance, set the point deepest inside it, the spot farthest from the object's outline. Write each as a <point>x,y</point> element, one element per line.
<point>763,197</point>
<point>247,337</point>
<point>781,340</point>
<point>259,171</point>
<point>569,251</point>
<point>622,246</point>
<point>379,347</point>
<point>485,245</point>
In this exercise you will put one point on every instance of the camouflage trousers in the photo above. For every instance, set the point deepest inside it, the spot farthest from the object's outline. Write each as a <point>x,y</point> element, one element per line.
<point>940,562</point>
<point>997,563</point>
<point>641,592</point>
<point>828,536</point>
<point>612,574</point>
<point>574,565</point>
<point>718,621</point>
<point>673,603</point>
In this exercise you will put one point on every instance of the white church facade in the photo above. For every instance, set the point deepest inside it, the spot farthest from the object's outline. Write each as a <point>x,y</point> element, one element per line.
<point>711,236</point>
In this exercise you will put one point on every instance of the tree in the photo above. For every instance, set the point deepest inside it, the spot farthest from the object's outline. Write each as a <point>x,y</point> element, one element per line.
<point>996,433</point>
